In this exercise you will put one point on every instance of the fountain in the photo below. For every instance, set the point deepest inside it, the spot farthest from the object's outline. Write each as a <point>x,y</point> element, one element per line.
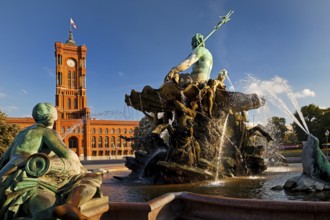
<point>262,203</point>
<point>196,133</point>
<point>206,125</point>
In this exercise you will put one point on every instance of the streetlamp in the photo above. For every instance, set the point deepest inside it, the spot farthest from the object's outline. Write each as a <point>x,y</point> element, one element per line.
<point>326,140</point>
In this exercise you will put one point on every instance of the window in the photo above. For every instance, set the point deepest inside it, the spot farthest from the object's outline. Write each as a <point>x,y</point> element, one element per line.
<point>59,79</point>
<point>94,153</point>
<point>113,142</point>
<point>93,142</point>
<point>112,131</point>
<point>75,103</point>
<point>93,130</point>
<point>74,77</point>
<point>125,131</point>
<point>99,143</point>
<point>124,143</point>
<point>106,142</point>
<point>69,79</point>
<point>73,142</point>
<point>69,103</point>
<point>106,131</point>
<point>100,130</point>
<point>100,153</point>
<point>118,142</point>
<point>118,130</point>
<point>59,59</point>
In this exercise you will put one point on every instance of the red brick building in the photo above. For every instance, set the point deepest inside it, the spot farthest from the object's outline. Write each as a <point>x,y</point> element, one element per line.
<point>89,138</point>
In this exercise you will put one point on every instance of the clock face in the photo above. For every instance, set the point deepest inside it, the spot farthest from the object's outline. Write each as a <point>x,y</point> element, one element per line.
<point>71,62</point>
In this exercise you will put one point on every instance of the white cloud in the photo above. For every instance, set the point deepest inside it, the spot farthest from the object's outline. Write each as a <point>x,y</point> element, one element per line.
<point>24,91</point>
<point>305,93</point>
<point>2,95</point>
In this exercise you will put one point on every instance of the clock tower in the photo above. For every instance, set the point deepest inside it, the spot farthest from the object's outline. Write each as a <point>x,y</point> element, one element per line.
<point>70,96</point>
<point>71,100</point>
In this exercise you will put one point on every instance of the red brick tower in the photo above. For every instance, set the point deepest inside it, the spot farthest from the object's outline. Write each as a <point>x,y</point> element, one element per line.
<point>70,97</point>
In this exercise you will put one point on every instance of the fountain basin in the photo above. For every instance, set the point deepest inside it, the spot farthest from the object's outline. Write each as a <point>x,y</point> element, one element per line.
<point>254,199</point>
<point>184,205</point>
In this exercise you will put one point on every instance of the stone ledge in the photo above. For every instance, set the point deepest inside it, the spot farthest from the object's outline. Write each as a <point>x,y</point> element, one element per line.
<point>95,208</point>
<point>185,205</point>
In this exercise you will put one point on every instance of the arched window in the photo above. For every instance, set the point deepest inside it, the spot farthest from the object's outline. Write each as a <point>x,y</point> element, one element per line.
<point>125,131</point>
<point>74,79</point>
<point>118,130</point>
<point>73,142</point>
<point>106,142</point>
<point>99,143</point>
<point>59,79</point>
<point>118,142</point>
<point>93,130</point>
<point>113,142</point>
<point>106,131</point>
<point>93,142</point>
<point>100,130</point>
<point>112,131</point>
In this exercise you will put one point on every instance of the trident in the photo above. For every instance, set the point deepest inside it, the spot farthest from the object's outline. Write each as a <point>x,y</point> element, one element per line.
<point>224,19</point>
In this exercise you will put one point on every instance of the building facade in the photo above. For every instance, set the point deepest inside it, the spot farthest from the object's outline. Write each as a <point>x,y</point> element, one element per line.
<point>89,138</point>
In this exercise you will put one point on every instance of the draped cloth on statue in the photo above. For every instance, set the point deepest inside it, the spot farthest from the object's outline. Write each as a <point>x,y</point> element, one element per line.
<point>41,174</point>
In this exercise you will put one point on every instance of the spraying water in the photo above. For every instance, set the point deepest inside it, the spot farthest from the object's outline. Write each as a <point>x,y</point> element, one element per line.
<point>274,90</point>
<point>232,88</point>
<point>220,147</point>
<point>72,128</point>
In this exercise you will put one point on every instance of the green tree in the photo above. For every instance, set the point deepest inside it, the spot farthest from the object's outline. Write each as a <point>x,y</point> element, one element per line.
<point>290,138</point>
<point>317,120</point>
<point>7,133</point>
<point>140,132</point>
<point>277,128</point>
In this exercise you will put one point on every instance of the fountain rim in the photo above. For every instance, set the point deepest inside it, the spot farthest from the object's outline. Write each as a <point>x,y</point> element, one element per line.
<point>173,205</point>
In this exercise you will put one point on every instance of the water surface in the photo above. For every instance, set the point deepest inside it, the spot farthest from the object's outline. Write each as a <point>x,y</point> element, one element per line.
<point>253,187</point>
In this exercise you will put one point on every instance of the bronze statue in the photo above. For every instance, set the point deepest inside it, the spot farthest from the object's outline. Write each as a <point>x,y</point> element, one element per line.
<point>195,111</point>
<point>41,178</point>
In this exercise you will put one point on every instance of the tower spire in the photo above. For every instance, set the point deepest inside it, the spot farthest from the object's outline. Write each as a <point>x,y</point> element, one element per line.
<point>70,40</point>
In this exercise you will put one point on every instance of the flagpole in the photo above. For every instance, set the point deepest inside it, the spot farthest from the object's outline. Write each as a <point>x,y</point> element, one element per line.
<point>70,25</point>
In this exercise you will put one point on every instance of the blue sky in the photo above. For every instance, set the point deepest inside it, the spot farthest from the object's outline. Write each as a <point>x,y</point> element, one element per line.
<point>135,43</point>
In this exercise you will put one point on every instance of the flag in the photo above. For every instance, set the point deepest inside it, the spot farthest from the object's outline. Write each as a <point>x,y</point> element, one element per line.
<point>73,24</point>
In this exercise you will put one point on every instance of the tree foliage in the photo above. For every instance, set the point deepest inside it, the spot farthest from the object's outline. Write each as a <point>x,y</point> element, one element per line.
<point>140,132</point>
<point>277,128</point>
<point>7,133</point>
<point>317,120</point>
